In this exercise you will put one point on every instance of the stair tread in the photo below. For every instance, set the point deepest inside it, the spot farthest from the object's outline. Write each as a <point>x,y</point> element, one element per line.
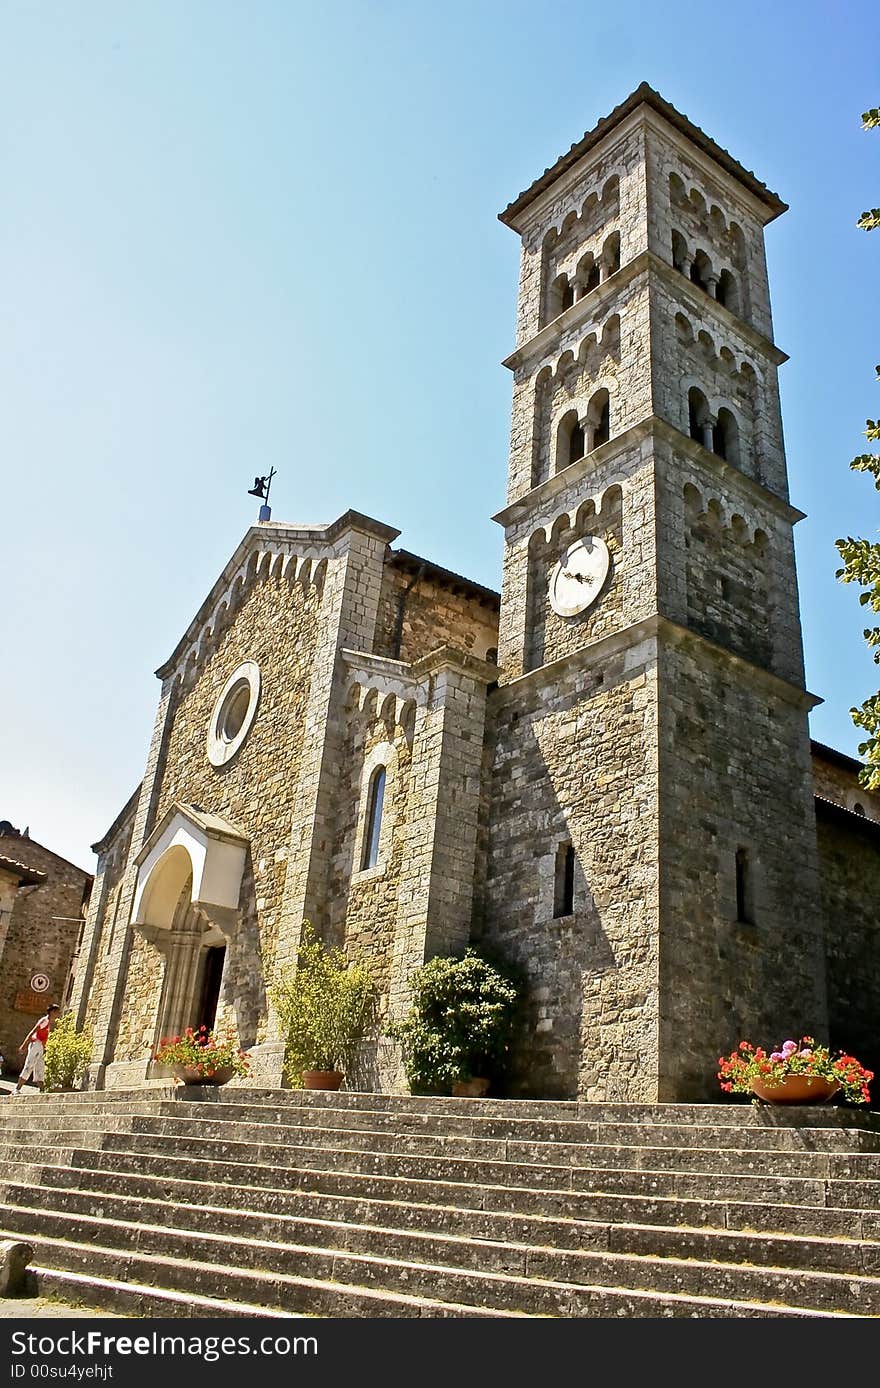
<point>390,1294</point>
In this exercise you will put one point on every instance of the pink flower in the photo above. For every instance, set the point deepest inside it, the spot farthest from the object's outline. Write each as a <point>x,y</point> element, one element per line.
<point>789,1047</point>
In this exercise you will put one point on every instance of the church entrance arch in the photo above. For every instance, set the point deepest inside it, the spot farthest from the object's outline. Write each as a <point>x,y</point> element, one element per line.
<point>186,906</point>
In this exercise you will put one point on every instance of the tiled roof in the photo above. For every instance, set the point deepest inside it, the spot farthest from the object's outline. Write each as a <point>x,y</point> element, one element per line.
<point>28,876</point>
<point>644,94</point>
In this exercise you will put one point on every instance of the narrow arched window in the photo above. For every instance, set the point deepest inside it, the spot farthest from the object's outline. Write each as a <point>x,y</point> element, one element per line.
<point>600,415</point>
<point>745,905</point>
<point>563,887</point>
<point>576,444</point>
<point>567,297</point>
<point>373,826</point>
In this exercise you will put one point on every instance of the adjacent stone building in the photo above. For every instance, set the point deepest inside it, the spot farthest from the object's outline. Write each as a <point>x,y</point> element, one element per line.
<point>605,776</point>
<point>43,904</point>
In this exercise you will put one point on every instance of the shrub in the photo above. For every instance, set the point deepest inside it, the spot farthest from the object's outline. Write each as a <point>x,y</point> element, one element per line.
<point>804,1057</point>
<point>461,1022</point>
<point>326,1003</point>
<point>68,1052</point>
<point>204,1051</point>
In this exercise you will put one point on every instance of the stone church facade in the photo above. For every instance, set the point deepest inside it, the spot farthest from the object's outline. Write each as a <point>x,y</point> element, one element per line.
<point>606,775</point>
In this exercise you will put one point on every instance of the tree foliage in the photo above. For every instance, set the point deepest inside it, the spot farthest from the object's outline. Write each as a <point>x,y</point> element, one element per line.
<point>460,1024</point>
<point>68,1052</point>
<point>326,1003</point>
<point>861,558</point>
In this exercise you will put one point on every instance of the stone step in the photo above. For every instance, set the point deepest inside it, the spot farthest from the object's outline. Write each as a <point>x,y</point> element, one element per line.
<point>730,1113</point>
<point>135,1299</point>
<point>393,1230</point>
<point>178,1280</point>
<point>260,1118</point>
<point>475,1160</point>
<point>144,1299</point>
<point>370,1174</point>
<point>534,1281</point>
<point>431,1205</point>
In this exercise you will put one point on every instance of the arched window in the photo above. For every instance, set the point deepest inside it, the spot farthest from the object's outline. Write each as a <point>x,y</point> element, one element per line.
<point>698,415</point>
<point>373,825</point>
<point>727,291</point>
<point>570,442</point>
<point>701,270</point>
<point>560,297</point>
<point>680,253</point>
<point>593,277</point>
<point>599,415</point>
<point>611,254</point>
<point>725,437</point>
<point>858,808</point>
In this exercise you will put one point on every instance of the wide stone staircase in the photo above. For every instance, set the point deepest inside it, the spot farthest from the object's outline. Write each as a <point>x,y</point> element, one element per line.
<point>242,1202</point>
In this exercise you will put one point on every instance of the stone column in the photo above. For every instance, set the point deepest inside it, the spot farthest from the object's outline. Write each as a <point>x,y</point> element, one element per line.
<point>349,611</point>
<point>435,898</point>
<point>107,1018</point>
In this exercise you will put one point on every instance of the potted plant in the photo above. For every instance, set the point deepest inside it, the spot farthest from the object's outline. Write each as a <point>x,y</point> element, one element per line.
<point>460,1026</point>
<point>202,1056</point>
<point>68,1052</point>
<point>799,1072</point>
<point>326,1003</point>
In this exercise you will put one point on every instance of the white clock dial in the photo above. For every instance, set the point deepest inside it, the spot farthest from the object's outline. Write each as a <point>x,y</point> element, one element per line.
<point>577,579</point>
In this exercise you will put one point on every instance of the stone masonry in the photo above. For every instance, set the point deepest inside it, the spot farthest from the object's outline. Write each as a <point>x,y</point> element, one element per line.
<point>43,899</point>
<point>623,802</point>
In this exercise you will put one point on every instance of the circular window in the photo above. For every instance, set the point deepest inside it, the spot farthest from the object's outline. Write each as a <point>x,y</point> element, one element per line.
<point>234,712</point>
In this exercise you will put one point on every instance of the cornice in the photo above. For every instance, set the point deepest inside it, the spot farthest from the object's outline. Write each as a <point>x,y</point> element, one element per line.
<point>596,306</point>
<point>663,630</point>
<point>654,426</point>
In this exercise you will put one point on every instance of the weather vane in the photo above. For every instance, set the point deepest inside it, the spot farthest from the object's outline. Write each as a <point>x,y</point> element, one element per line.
<point>261,489</point>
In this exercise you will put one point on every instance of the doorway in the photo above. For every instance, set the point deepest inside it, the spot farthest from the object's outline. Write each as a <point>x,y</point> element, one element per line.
<point>212,977</point>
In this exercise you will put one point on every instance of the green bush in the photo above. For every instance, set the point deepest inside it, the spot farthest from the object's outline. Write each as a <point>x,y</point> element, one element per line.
<point>326,1004</point>
<point>68,1052</point>
<point>460,1025</point>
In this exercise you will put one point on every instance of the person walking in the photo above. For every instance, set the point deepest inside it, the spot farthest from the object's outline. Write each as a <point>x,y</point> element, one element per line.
<point>34,1066</point>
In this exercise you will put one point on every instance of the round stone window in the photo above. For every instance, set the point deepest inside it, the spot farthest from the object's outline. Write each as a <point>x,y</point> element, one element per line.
<point>234,712</point>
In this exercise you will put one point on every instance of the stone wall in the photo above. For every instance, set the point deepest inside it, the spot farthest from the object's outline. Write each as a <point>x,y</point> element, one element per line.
<point>849,867</point>
<point>437,611</point>
<point>734,774</point>
<point>836,778</point>
<point>364,901</point>
<point>41,937</point>
<point>575,761</point>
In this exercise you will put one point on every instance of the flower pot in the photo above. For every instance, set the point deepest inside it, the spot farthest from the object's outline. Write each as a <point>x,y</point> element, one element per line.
<point>191,1074</point>
<point>470,1089</point>
<point>322,1079</point>
<point>797,1089</point>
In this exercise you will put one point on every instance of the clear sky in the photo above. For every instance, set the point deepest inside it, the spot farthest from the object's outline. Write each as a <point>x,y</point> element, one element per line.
<point>236,236</point>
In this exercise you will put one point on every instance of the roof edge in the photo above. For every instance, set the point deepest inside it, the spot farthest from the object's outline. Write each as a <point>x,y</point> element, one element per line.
<point>644,94</point>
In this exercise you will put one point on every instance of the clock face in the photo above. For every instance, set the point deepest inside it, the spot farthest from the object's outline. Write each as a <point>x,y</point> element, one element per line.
<point>577,579</point>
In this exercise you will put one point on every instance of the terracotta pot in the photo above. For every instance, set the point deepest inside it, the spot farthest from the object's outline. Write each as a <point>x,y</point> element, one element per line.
<point>796,1089</point>
<point>192,1075</point>
<point>322,1079</point>
<point>470,1089</point>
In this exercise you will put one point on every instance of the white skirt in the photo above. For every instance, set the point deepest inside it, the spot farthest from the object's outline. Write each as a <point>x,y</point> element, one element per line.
<point>33,1068</point>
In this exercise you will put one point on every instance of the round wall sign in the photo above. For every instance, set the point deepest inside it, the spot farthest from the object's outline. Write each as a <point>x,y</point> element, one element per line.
<point>40,983</point>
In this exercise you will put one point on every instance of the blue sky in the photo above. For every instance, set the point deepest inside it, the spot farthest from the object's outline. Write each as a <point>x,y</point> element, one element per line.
<point>241,236</point>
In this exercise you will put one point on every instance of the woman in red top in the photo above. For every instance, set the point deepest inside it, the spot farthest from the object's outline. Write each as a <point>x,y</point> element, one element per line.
<point>34,1068</point>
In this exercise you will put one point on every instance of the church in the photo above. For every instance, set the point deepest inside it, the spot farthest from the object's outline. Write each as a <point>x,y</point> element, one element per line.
<point>604,774</point>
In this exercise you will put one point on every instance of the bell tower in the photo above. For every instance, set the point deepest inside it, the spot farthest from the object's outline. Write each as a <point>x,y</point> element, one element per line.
<point>651,851</point>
